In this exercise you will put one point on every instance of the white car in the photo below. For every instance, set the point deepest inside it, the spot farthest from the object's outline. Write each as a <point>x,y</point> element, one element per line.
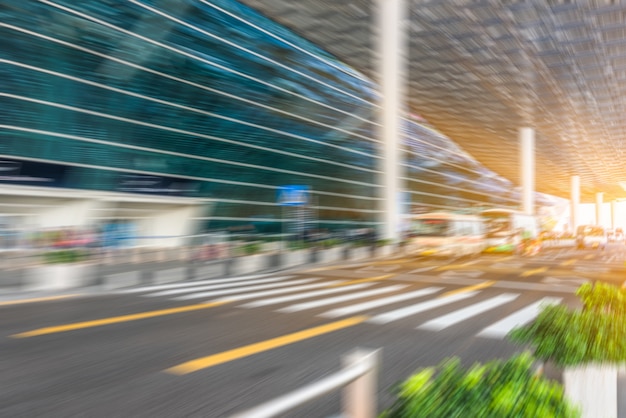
<point>591,236</point>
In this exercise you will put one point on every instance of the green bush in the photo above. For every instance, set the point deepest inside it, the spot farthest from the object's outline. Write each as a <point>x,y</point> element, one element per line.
<point>603,297</point>
<point>64,256</point>
<point>594,333</point>
<point>250,248</point>
<point>500,388</point>
<point>331,242</point>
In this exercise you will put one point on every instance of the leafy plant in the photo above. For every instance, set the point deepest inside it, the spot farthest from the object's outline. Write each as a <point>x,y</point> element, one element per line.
<point>250,248</point>
<point>499,388</point>
<point>603,297</point>
<point>594,333</point>
<point>64,256</point>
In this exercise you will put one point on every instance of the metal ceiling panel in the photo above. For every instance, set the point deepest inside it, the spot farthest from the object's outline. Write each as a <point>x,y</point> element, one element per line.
<point>480,70</point>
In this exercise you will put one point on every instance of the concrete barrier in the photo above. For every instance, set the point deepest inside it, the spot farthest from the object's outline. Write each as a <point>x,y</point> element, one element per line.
<point>330,255</point>
<point>169,275</point>
<point>593,388</point>
<point>112,272</point>
<point>57,276</point>
<point>295,258</point>
<point>249,264</point>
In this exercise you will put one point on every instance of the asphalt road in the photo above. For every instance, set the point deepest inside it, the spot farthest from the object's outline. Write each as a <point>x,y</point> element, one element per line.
<point>129,353</point>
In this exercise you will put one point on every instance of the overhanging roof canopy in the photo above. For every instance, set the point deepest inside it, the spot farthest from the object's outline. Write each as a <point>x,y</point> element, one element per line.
<point>480,70</point>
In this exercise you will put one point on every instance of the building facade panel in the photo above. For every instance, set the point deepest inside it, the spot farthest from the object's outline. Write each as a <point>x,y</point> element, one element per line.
<point>209,100</point>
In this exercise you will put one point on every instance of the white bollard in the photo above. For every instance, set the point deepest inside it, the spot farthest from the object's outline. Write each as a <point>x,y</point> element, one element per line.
<point>359,397</point>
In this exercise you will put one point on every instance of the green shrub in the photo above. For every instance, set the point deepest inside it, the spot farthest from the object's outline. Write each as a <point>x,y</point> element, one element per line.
<point>64,256</point>
<point>594,333</point>
<point>603,297</point>
<point>250,248</point>
<point>500,388</point>
<point>331,242</point>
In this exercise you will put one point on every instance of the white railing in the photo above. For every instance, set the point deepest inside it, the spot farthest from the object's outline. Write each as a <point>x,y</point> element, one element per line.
<point>358,376</point>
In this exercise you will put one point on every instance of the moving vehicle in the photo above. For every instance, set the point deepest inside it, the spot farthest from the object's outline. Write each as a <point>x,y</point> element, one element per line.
<point>444,234</point>
<point>511,231</point>
<point>591,236</point>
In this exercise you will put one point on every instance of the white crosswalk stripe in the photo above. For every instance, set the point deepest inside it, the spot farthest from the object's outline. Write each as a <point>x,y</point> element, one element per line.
<point>273,292</point>
<point>457,316</point>
<point>338,299</point>
<point>257,291</point>
<point>218,286</point>
<point>153,288</point>
<point>291,298</point>
<point>348,310</point>
<point>420,307</point>
<point>199,295</point>
<point>501,328</point>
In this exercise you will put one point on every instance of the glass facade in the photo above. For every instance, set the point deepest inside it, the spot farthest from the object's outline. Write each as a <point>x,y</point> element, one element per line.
<point>208,99</point>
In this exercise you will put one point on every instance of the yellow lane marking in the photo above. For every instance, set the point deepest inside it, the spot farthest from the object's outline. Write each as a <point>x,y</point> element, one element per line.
<point>532,272</point>
<point>568,262</point>
<point>34,300</point>
<point>452,266</point>
<point>396,261</point>
<point>468,288</point>
<point>369,279</point>
<point>322,269</point>
<point>116,319</point>
<point>248,350</point>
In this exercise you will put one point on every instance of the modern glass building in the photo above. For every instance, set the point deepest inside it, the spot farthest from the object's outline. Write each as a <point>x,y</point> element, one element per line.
<point>202,104</point>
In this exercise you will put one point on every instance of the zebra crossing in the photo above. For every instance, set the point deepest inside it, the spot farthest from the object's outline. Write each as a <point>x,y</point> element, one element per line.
<point>382,302</point>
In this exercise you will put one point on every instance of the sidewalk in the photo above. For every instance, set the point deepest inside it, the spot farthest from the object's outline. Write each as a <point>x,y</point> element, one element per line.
<point>125,270</point>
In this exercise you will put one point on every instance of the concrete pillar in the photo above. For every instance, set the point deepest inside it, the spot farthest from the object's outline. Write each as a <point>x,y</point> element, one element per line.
<point>527,169</point>
<point>391,58</point>
<point>574,202</point>
<point>599,203</point>
<point>613,209</point>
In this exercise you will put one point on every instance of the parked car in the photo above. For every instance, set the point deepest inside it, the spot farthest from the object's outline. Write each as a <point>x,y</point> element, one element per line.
<point>591,236</point>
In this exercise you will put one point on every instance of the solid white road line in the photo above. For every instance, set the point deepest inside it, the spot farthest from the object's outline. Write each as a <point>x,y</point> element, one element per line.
<point>419,307</point>
<point>190,289</point>
<point>290,298</point>
<point>337,299</point>
<point>242,289</point>
<point>193,283</point>
<point>348,310</point>
<point>457,316</point>
<point>501,328</point>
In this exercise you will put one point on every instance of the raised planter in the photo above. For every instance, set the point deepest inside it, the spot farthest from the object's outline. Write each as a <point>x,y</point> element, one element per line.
<point>249,264</point>
<point>593,388</point>
<point>59,276</point>
<point>330,255</point>
<point>296,258</point>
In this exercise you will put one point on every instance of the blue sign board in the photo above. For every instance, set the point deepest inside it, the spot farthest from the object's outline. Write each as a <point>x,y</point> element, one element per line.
<point>293,195</point>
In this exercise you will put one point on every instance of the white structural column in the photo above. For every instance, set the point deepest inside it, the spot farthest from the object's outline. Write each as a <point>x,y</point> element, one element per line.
<point>575,202</point>
<point>599,203</point>
<point>613,209</point>
<point>390,60</point>
<point>527,168</point>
